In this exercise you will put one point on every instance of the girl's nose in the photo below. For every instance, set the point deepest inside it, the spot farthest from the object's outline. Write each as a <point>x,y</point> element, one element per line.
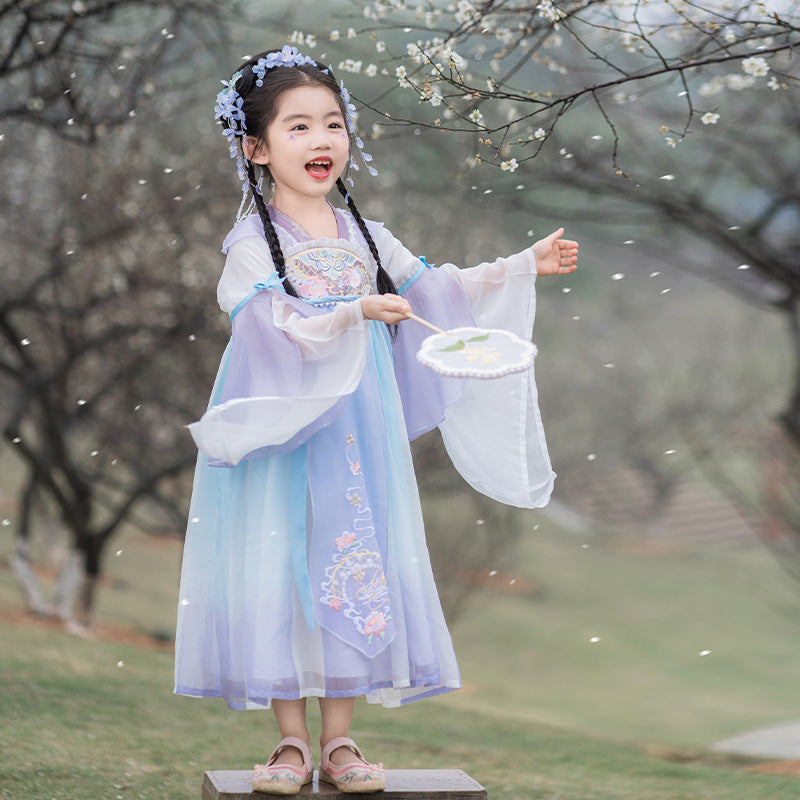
<point>322,140</point>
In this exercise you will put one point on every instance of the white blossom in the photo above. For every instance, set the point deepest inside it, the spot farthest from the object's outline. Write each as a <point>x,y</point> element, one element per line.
<point>436,98</point>
<point>351,33</point>
<point>539,133</point>
<point>709,118</point>
<point>334,36</point>
<point>311,40</point>
<point>738,82</point>
<point>465,12</point>
<point>755,66</point>
<point>476,116</point>
<point>380,46</point>
<point>547,10</point>
<point>415,52</point>
<point>510,165</point>
<point>349,65</point>
<point>371,70</point>
<point>402,79</point>
<point>773,84</point>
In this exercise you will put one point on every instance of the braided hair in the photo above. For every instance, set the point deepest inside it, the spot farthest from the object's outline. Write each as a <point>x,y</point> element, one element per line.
<point>260,105</point>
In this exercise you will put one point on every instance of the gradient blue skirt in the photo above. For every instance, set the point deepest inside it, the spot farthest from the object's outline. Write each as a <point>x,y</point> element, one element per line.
<point>305,570</point>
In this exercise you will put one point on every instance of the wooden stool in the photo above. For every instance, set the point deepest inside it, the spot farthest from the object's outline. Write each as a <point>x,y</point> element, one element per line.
<point>401,784</point>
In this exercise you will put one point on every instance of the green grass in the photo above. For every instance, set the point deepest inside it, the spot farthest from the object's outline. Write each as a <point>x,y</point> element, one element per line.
<point>645,677</point>
<point>77,725</point>
<point>544,713</point>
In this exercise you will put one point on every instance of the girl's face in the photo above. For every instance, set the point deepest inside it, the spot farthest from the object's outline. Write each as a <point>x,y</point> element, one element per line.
<point>306,146</point>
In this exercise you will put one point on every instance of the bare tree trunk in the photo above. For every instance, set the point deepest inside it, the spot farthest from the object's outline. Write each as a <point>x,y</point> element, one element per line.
<point>22,567</point>
<point>91,567</point>
<point>790,418</point>
<point>69,581</point>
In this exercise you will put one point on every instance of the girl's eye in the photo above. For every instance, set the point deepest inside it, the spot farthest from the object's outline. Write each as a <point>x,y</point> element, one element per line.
<point>301,126</point>
<point>336,125</point>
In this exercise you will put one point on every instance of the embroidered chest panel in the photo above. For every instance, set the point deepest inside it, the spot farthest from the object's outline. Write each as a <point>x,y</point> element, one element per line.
<point>324,271</point>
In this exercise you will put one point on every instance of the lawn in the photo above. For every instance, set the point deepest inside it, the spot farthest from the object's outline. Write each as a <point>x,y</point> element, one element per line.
<point>545,712</point>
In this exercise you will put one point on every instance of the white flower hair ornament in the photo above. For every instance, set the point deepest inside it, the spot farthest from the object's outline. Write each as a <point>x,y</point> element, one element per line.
<point>228,111</point>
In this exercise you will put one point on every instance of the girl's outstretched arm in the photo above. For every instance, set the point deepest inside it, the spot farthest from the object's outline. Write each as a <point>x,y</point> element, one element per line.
<point>554,255</point>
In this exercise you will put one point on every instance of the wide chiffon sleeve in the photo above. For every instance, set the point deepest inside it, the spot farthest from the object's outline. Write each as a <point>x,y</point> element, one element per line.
<point>287,370</point>
<point>492,429</point>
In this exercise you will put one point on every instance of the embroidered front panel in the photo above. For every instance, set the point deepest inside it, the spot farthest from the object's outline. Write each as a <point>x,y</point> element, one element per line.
<point>355,583</point>
<point>326,271</point>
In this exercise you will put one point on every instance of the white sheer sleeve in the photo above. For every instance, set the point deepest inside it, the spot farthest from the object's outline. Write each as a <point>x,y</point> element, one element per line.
<point>248,262</point>
<point>322,336</point>
<point>493,433</point>
<point>287,368</point>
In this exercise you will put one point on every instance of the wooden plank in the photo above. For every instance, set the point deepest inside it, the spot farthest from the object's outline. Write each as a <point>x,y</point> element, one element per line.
<point>401,784</point>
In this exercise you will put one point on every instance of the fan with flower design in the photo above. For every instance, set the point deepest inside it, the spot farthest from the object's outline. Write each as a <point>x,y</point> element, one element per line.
<point>470,352</point>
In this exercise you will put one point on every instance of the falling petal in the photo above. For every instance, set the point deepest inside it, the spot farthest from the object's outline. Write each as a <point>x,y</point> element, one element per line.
<point>591,457</point>
<point>479,521</point>
<point>655,274</point>
<point>594,639</point>
<point>118,553</point>
<point>609,366</point>
<point>670,452</point>
<point>617,276</point>
<point>629,241</point>
<point>667,178</point>
<point>120,663</point>
<point>743,266</point>
<point>565,289</point>
<point>492,573</point>
<point>5,522</point>
<point>666,291</point>
<point>705,653</point>
<point>25,342</point>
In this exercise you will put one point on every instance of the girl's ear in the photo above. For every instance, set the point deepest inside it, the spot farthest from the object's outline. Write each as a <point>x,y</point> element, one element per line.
<point>255,150</point>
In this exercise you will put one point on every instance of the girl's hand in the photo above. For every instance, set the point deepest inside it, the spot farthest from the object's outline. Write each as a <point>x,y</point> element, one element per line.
<point>388,308</point>
<point>554,255</point>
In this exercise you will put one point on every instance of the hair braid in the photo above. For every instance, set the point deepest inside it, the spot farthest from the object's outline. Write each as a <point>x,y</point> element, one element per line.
<point>385,283</point>
<point>269,231</point>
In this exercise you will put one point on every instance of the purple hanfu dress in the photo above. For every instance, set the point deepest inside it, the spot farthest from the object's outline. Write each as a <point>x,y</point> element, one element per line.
<point>305,569</point>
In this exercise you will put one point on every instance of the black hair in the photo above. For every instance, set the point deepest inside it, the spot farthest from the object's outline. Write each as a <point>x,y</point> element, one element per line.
<point>260,105</point>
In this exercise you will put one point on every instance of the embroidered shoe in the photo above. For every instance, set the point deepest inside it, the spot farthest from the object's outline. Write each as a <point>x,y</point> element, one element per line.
<point>357,775</point>
<point>279,778</point>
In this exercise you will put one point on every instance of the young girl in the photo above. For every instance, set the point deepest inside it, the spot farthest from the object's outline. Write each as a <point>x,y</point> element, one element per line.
<point>305,572</point>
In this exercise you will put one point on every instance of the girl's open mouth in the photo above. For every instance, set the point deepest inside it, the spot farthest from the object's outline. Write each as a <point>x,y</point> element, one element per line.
<point>319,168</point>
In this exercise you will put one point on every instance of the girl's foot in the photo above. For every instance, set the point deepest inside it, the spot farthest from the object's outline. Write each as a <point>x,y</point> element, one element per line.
<point>288,769</point>
<point>343,765</point>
